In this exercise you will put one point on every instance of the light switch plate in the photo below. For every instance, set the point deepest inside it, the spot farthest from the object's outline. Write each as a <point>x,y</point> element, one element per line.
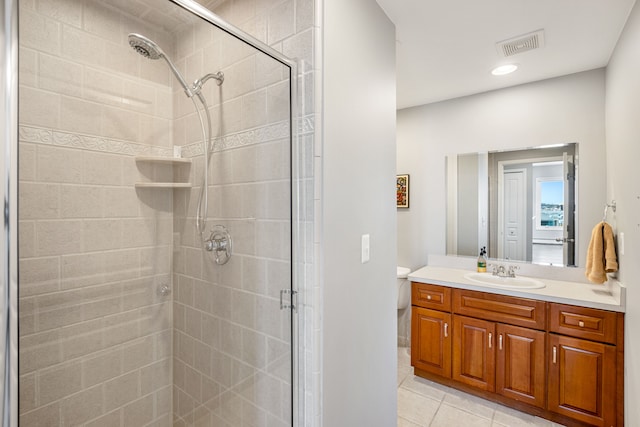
<point>365,248</point>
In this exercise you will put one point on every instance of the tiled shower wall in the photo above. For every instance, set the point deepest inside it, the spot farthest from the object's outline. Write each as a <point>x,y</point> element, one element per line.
<point>95,335</point>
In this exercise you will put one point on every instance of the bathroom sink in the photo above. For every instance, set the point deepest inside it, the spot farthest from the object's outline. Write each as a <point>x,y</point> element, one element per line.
<point>505,282</point>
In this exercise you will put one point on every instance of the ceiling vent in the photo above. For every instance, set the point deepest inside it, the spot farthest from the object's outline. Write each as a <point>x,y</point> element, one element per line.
<point>521,43</point>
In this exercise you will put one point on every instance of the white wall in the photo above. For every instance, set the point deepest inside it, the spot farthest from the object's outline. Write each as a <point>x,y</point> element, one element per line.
<point>559,110</point>
<point>359,150</point>
<point>623,180</point>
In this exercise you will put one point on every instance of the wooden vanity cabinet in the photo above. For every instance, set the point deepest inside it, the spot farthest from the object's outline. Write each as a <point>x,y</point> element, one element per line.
<point>586,364</point>
<point>474,352</point>
<point>582,380</point>
<point>432,327</point>
<point>520,364</point>
<point>559,361</point>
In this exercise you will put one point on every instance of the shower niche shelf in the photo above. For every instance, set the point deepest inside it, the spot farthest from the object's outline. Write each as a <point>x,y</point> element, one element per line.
<point>163,185</point>
<point>163,161</point>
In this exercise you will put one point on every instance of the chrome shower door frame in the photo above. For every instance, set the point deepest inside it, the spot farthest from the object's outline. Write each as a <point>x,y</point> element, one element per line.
<point>9,191</point>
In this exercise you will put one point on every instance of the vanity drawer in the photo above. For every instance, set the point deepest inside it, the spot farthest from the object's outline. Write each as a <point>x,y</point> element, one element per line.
<point>500,308</point>
<point>431,296</point>
<point>582,322</point>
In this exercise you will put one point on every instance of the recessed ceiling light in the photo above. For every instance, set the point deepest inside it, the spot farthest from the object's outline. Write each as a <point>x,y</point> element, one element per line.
<point>504,69</point>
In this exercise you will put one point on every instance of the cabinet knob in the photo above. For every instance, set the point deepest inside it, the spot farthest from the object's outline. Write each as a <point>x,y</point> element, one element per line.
<point>581,324</point>
<point>429,297</point>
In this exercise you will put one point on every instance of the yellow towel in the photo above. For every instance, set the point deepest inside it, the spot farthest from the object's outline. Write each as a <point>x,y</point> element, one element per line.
<point>601,255</point>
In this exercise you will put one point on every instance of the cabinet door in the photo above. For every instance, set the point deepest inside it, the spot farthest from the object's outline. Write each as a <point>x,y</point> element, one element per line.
<point>582,380</point>
<point>520,367</point>
<point>431,341</point>
<point>474,352</point>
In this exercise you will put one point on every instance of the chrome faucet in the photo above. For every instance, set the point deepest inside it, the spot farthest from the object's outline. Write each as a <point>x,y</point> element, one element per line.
<point>502,271</point>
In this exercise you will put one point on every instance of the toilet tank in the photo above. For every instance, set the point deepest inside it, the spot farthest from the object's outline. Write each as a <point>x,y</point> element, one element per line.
<point>404,291</point>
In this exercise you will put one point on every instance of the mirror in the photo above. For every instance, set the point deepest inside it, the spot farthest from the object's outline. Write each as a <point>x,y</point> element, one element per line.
<point>520,204</point>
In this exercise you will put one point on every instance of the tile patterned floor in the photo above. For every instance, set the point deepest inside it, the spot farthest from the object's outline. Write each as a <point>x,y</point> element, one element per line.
<point>423,403</point>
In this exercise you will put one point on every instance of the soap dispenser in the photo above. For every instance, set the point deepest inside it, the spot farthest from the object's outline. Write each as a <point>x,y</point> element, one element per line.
<point>482,260</point>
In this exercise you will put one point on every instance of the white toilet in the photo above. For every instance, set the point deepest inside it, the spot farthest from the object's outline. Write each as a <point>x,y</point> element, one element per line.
<point>404,289</point>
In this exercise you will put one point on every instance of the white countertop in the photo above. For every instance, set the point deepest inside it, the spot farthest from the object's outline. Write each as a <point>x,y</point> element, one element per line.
<point>608,296</point>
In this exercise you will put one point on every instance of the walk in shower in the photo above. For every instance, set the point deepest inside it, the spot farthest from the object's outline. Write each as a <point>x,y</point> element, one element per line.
<point>159,216</point>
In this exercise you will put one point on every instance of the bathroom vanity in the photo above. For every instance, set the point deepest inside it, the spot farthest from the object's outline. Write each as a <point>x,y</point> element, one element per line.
<point>556,352</point>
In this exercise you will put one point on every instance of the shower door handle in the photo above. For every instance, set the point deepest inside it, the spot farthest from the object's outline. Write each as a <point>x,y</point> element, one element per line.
<point>293,301</point>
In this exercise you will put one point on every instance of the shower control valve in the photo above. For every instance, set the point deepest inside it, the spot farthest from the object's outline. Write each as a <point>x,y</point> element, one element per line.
<point>220,243</point>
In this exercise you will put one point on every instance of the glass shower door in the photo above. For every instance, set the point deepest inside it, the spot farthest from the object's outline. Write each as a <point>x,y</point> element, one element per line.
<point>125,318</point>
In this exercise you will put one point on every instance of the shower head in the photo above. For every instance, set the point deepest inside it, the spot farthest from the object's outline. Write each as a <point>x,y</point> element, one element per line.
<point>145,47</point>
<point>149,49</point>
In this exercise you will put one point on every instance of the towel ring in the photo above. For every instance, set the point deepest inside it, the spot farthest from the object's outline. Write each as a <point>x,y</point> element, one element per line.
<point>611,205</point>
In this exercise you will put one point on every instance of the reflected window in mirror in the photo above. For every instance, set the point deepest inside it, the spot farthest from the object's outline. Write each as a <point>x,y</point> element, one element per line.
<point>549,203</point>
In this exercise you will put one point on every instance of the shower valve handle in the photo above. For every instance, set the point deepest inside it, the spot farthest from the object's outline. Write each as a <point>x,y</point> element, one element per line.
<point>220,243</point>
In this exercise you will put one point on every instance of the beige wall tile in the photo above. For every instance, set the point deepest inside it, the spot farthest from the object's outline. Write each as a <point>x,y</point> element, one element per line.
<point>39,201</point>
<point>155,131</point>
<point>40,108</point>
<point>26,162</point>
<point>67,11</point>
<point>39,356</point>
<point>156,376</point>
<point>103,169</point>
<point>39,275</point>
<point>122,61</point>
<point>102,21</point>
<point>28,67</point>
<point>122,264</point>
<point>120,202</point>
<point>139,412</point>
<point>281,22</point>
<point>278,102</point>
<point>80,116</point>
<point>193,323</point>
<point>58,237</point>
<point>44,416</point>
<point>58,164</point>
<point>102,367</point>
<point>81,201</point>
<point>60,76</point>
<point>59,382</point>
<point>102,234</point>
<point>121,390</point>
<point>137,354</point>
<point>300,47</point>
<point>239,79</point>
<point>82,406</point>
<point>141,97</point>
<point>103,87</point>
<point>112,419</point>
<point>120,124</point>
<point>27,393</point>
<point>39,32</point>
<point>82,46</point>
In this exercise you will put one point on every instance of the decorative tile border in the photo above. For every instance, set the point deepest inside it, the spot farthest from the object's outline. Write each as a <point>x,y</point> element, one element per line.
<point>280,130</point>
<point>86,142</point>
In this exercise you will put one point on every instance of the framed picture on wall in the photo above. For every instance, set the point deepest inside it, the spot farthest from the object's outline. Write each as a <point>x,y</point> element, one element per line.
<point>402,191</point>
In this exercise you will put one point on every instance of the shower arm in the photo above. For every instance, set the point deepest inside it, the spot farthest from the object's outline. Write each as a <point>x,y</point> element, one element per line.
<point>198,83</point>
